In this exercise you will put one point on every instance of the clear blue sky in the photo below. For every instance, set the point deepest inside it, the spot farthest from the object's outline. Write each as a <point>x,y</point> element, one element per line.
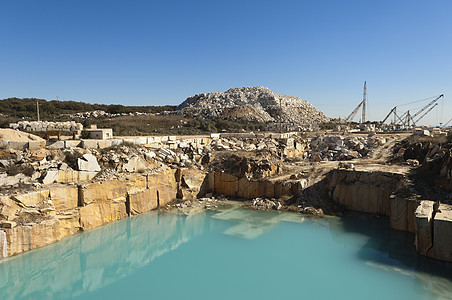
<point>161,52</point>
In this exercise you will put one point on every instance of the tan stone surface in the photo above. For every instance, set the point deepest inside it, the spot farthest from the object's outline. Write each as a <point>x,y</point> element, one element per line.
<point>136,182</point>
<point>226,184</point>
<point>142,201</point>
<point>423,227</point>
<point>8,208</point>
<point>363,197</point>
<point>402,213</point>
<point>24,238</point>
<point>442,234</point>
<point>7,134</point>
<point>32,198</point>
<point>65,197</point>
<point>97,214</point>
<point>113,190</point>
<point>282,188</point>
<point>253,189</point>
<point>69,222</point>
<point>165,184</point>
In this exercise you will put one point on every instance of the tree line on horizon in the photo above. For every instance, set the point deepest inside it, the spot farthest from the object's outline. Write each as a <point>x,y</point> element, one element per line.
<point>25,108</point>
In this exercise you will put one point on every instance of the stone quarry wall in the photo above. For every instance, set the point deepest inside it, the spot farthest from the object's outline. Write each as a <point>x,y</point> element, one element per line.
<point>376,193</point>
<point>242,187</point>
<point>33,220</point>
<point>368,192</point>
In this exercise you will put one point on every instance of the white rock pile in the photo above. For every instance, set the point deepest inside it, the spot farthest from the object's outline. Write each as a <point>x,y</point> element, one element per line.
<point>46,126</point>
<point>337,147</point>
<point>265,106</point>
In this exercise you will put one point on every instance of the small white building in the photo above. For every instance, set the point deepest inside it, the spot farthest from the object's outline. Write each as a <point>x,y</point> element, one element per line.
<point>100,133</point>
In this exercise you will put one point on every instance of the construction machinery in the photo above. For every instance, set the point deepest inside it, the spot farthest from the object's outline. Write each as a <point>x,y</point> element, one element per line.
<point>407,119</point>
<point>361,104</point>
<point>447,123</point>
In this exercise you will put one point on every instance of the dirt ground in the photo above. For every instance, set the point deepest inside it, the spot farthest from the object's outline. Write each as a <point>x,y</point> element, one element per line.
<point>17,136</point>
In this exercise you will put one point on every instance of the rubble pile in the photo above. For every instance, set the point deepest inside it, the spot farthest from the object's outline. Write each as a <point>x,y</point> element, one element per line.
<point>433,160</point>
<point>46,126</point>
<point>337,147</point>
<point>256,104</point>
<point>265,204</point>
<point>104,114</point>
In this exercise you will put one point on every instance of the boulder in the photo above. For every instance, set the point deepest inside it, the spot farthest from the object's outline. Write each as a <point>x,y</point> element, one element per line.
<point>8,208</point>
<point>89,163</point>
<point>67,176</point>
<point>30,199</point>
<point>135,164</point>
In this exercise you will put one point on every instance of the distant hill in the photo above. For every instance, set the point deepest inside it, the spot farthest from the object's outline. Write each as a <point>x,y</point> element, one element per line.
<point>49,110</point>
<point>127,120</point>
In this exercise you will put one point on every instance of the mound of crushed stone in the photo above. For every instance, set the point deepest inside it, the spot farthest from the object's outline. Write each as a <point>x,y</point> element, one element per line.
<point>17,136</point>
<point>253,103</point>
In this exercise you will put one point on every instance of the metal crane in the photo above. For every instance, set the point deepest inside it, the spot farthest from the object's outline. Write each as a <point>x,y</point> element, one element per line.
<point>363,104</point>
<point>406,118</point>
<point>424,108</point>
<point>353,114</point>
<point>414,122</point>
<point>393,110</point>
<point>447,123</point>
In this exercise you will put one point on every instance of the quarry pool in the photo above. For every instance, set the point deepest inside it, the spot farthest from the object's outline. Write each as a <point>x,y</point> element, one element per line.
<point>234,253</point>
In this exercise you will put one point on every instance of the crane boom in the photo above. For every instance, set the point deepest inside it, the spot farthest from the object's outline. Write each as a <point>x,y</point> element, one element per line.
<point>447,123</point>
<point>428,105</point>
<point>414,123</point>
<point>363,119</point>
<point>352,115</point>
<point>392,110</point>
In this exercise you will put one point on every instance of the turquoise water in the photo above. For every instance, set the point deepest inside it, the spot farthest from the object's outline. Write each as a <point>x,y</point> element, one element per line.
<point>234,254</point>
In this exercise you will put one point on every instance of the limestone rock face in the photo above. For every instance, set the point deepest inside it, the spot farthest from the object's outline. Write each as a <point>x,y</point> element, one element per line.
<point>254,189</point>
<point>423,224</point>
<point>113,190</point>
<point>8,208</point>
<point>69,222</point>
<point>66,176</point>
<point>64,198</point>
<point>362,191</point>
<point>24,238</point>
<point>260,103</point>
<point>142,201</point>
<point>442,233</point>
<point>164,185</point>
<point>97,214</point>
<point>32,198</point>
<point>402,213</point>
<point>226,184</point>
